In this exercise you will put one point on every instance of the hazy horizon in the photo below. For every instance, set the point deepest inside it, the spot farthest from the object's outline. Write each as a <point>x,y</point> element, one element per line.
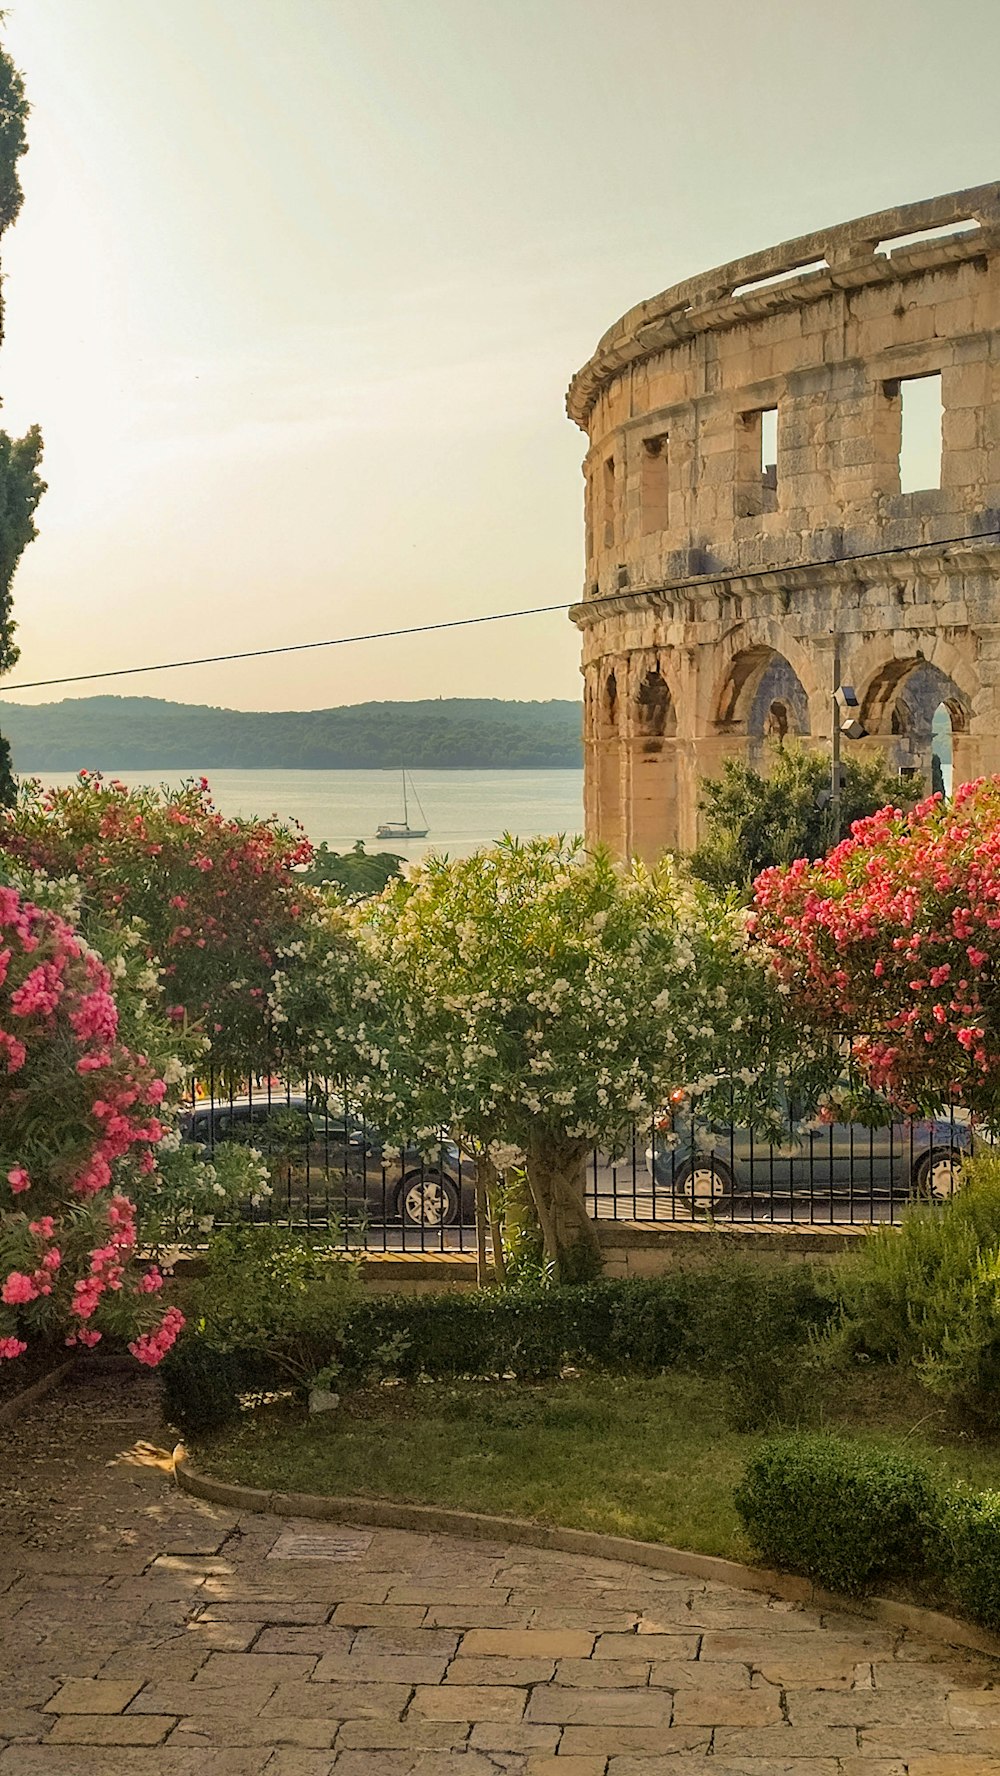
<point>193,703</point>
<point>296,293</point>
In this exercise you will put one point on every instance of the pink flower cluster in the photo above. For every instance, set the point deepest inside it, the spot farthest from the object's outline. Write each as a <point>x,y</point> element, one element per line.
<point>151,1347</point>
<point>896,935</point>
<point>81,1113</point>
<point>217,897</point>
<point>106,1269</point>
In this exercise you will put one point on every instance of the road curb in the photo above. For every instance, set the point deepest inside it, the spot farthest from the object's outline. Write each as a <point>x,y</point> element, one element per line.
<point>474,1526</point>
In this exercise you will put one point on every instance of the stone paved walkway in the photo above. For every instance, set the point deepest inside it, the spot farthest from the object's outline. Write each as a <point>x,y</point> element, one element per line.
<point>147,1634</point>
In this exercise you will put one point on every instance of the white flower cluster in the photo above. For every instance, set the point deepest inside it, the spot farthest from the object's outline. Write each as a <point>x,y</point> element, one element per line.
<point>533,987</point>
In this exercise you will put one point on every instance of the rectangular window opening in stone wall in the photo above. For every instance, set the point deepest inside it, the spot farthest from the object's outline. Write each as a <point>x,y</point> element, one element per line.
<point>917,408</point>
<point>769,448</point>
<point>608,503</point>
<point>757,462</point>
<point>654,493</point>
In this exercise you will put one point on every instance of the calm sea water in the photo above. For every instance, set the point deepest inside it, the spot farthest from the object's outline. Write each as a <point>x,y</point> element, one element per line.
<point>463,809</point>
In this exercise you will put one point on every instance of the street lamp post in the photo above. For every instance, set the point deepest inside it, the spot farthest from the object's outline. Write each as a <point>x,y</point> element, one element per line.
<point>845,719</point>
<point>835,746</point>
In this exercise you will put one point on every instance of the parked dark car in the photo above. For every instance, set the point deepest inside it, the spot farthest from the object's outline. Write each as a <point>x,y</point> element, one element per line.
<point>709,1166</point>
<point>323,1155</point>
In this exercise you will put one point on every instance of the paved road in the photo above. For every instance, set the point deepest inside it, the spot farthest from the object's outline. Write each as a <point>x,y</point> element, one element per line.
<point>147,1634</point>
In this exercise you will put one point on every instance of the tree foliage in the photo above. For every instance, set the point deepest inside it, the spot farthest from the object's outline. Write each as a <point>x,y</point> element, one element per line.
<point>216,898</point>
<point>755,821</point>
<point>896,934</point>
<point>132,733</point>
<point>21,487</point>
<point>13,138</point>
<point>91,1078</point>
<point>81,1123</point>
<point>356,873</point>
<point>535,999</point>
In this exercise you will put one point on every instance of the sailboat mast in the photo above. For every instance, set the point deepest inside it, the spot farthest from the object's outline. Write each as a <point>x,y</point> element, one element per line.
<point>406,816</point>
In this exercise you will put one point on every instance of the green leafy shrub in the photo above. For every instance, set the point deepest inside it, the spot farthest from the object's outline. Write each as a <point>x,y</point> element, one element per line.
<point>202,1383</point>
<point>754,821</point>
<point>928,1293</point>
<point>968,1554</point>
<point>287,1312</point>
<point>843,1515</point>
<point>759,1334</point>
<point>270,1314</point>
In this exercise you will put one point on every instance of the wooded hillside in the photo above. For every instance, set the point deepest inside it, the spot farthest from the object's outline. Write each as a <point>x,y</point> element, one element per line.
<point>131,733</point>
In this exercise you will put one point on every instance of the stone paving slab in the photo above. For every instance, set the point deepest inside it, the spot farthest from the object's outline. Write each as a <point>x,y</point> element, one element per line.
<point>148,1633</point>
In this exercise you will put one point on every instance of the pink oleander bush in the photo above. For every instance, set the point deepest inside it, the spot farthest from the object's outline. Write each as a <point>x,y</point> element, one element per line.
<point>79,1125</point>
<point>896,935</point>
<point>215,898</point>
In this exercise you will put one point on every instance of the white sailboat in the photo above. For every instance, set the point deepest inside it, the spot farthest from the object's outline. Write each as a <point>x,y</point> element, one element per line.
<point>401,829</point>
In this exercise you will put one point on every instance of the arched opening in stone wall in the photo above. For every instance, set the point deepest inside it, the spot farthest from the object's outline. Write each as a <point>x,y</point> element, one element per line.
<point>655,716</point>
<point>779,708</point>
<point>762,697</point>
<point>942,752</point>
<point>763,702</point>
<point>920,715</point>
<point>605,803</point>
<point>653,765</point>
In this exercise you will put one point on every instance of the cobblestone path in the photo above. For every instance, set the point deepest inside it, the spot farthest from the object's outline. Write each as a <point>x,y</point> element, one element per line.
<point>147,1634</point>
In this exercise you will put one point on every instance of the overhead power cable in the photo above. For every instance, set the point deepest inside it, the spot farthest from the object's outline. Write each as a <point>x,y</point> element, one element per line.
<point>538,610</point>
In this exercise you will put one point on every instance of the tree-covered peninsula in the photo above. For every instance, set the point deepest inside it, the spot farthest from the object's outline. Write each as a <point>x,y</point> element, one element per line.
<point>138,733</point>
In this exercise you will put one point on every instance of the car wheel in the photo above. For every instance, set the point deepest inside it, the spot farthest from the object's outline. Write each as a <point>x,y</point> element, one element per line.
<point>936,1178</point>
<point>427,1199</point>
<point>705,1185</point>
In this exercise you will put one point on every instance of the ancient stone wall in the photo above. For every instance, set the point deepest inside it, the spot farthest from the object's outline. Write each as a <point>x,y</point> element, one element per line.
<point>744,507</point>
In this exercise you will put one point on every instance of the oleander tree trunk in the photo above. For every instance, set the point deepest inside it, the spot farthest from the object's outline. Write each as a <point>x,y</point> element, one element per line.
<point>557,1166</point>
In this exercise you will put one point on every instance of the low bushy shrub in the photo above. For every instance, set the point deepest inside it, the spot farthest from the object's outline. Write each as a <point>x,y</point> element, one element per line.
<point>715,1321</point>
<point>270,1315</point>
<point>844,1515</point>
<point>927,1293</point>
<point>759,1330</point>
<point>968,1554</point>
<point>203,1383</point>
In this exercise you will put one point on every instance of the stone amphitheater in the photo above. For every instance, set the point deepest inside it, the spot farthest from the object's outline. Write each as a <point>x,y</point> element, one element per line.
<point>797,452</point>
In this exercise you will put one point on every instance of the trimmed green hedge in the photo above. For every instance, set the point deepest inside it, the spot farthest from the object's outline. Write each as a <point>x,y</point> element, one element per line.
<point>969,1554</point>
<point>849,1517</point>
<point>734,1320</point>
<point>841,1514</point>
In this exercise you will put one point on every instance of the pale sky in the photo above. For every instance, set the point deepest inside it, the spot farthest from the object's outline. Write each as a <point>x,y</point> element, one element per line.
<point>299,284</point>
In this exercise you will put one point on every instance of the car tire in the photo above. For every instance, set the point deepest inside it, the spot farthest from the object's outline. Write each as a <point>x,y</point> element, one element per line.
<point>706,1185</point>
<point>936,1176</point>
<point>428,1199</point>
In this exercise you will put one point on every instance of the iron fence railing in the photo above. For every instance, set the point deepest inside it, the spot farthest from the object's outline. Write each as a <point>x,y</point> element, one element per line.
<point>331,1170</point>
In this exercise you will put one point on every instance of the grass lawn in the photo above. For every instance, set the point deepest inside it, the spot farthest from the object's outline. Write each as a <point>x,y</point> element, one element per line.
<point>653,1459</point>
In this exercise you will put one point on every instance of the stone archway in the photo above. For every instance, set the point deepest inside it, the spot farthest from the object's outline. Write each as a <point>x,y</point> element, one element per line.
<point>652,760</point>
<point>757,657</point>
<point>761,700</point>
<point>655,714</point>
<point>942,752</point>
<point>898,707</point>
<point>604,791</point>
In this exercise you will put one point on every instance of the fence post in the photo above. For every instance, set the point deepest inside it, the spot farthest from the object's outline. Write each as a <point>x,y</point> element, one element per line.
<point>484,1166</point>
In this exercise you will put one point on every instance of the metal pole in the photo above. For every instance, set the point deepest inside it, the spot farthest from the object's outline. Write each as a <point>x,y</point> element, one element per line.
<point>835,743</point>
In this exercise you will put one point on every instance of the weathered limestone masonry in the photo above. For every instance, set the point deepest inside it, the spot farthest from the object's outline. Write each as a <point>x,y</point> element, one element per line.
<point>717,579</point>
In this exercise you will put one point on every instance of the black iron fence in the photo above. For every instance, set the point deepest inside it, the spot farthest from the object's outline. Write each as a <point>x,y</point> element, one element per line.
<point>329,1169</point>
<point>691,1167</point>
